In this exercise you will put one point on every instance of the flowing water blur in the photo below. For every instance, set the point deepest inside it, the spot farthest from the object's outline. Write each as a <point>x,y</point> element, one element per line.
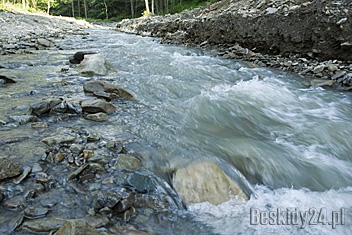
<point>292,142</point>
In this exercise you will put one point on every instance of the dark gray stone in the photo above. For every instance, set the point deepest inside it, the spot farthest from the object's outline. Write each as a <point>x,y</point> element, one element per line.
<point>106,199</point>
<point>141,182</point>
<point>44,106</point>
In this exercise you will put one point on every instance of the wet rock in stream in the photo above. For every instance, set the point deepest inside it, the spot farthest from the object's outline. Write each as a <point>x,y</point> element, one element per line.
<point>44,106</point>
<point>106,90</point>
<point>9,168</point>
<point>23,119</point>
<point>97,105</point>
<point>15,203</point>
<point>43,225</point>
<point>35,212</point>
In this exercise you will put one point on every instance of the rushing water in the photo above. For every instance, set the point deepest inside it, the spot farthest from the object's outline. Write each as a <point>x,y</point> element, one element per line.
<point>291,142</point>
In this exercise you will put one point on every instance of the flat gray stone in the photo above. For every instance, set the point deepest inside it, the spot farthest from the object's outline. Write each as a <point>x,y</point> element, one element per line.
<point>97,106</point>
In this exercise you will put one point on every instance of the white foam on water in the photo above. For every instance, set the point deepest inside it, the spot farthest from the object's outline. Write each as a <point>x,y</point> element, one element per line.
<point>234,217</point>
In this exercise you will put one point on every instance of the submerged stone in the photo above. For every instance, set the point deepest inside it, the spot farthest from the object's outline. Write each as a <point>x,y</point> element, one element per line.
<point>34,212</point>
<point>14,203</point>
<point>98,117</point>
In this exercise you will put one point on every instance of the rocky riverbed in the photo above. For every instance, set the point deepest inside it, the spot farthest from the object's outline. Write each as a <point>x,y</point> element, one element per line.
<point>58,172</point>
<point>312,38</point>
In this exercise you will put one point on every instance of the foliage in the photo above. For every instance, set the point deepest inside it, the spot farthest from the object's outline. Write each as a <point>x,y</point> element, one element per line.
<point>99,10</point>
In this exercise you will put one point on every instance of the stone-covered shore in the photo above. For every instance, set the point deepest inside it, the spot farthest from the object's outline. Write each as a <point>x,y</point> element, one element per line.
<point>311,38</point>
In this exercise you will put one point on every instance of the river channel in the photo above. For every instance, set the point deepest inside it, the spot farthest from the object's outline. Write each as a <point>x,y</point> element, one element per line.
<point>291,142</point>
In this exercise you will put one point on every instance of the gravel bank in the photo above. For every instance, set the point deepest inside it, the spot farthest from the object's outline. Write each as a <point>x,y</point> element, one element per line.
<point>20,33</point>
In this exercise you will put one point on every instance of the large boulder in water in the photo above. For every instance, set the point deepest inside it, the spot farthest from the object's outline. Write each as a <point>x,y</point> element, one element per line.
<point>106,90</point>
<point>95,64</point>
<point>204,181</point>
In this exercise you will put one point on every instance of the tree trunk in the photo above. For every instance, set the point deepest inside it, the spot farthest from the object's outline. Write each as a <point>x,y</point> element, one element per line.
<point>152,7</point>
<point>106,10</point>
<point>85,9</point>
<point>79,8</point>
<point>147,7</point>
<point>23,4</point>
<point>48,11</point>
<point>73,10</point>
<point>132,8</point>
<point>166,6</point>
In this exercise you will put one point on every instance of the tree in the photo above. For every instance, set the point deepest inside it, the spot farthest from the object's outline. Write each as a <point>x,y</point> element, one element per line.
<point>85,9</point>
<point>147,7</point>
<point>132,8</point>
<point>73,9</point>
<point>106,10</point>
<point>48,11</point>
